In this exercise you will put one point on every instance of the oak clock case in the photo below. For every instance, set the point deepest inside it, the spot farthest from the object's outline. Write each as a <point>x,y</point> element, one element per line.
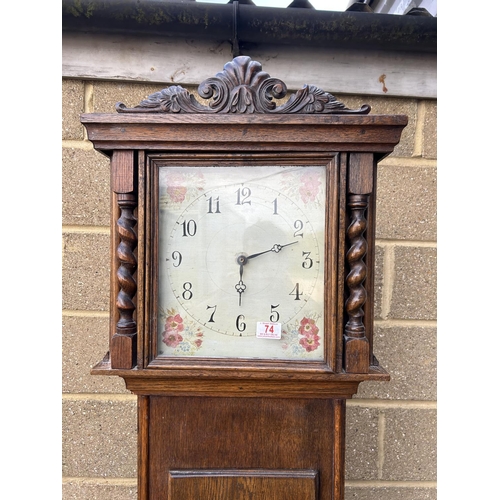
<point>242,281</point>
<point>241,262</point>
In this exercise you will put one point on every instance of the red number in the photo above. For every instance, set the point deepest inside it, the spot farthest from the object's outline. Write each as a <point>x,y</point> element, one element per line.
<point>268,328</point>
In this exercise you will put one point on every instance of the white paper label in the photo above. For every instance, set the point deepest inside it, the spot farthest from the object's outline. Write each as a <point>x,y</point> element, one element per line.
<point>268,330</point>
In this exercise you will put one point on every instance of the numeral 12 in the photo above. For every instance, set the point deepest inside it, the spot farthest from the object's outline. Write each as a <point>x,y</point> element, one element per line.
<point>242,195</point>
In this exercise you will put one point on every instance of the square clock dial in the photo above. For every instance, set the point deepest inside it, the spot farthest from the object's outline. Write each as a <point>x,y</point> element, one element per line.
<point>241,259</point>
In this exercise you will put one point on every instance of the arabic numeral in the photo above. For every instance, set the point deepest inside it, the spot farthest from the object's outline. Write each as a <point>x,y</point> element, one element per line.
<point>296,291</point>
<point>240,324</point>
<point>187,294</point>
<point>275,315</point>
<point>189,228</point>
<point>242,195</point>
<point>275,204</point>
<point>298,225</point>
<point>211,320</point>
<point>213,204</point>
<point>176,257</point>
<point>308,262</point>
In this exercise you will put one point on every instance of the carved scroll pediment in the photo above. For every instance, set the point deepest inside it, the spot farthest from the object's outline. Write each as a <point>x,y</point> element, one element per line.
<point>242,87</point>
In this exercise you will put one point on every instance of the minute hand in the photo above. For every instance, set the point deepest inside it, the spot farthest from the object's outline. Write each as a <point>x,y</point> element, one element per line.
<point>276,248</point>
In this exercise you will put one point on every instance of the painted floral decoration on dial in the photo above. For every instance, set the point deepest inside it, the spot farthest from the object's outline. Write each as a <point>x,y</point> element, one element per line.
<point>181,336</point>
<point>178,336</point>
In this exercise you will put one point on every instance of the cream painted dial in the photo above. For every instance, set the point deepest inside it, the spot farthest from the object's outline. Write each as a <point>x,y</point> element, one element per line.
<point>238,247</point>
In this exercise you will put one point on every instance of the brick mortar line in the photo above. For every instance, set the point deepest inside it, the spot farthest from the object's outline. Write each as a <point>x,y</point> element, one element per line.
<point>68,313</point>
<point>384,323</point>
<point>380,445</point>
<point>77,144</point>
<point>86,229</point>
<point>391,323</point>
<point>398,161</point>
<point>391,484</point>
<point>388,281</point>
<point>408,161</point>
<point>405,243</point>
<point>115,481</point>
<point>132,482</point>
<point>365,403</point>
<point>112,396</point>
<point>88,97</point>
<point>379,241</point>
<point>389,404</point>
<point>419,130</point>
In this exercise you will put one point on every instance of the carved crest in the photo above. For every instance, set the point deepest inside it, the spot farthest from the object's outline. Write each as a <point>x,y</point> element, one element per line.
<point>242,87</point>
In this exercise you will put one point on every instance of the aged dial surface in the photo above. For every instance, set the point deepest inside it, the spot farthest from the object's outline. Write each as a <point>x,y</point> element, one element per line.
<point>241,249</point>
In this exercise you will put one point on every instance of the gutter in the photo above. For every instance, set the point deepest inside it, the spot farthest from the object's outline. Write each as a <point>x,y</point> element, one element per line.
<point>245,25</point>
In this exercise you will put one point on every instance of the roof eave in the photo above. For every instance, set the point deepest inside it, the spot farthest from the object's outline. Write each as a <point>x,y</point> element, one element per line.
<point>245,25</point>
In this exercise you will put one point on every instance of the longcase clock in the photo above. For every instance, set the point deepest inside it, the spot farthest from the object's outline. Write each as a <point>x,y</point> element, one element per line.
<point>242,284</point>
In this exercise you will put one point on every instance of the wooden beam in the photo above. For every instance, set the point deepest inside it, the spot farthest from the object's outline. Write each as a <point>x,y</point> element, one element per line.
<point>168,61</point>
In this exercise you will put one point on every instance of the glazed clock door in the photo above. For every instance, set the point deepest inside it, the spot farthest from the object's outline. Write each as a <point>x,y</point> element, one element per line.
<point>241,261</point>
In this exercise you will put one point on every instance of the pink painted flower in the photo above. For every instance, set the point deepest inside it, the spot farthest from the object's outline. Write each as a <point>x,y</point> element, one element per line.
<point>177,193</point>
<point>176,188</point>
<point>308,327</point>
<point>311,177</point>
<point>198,342</point>
<point>309,188</point>
<point>309,330</point>
<point>309,342</point>
<point>172,339</point>
<point>174,324</point>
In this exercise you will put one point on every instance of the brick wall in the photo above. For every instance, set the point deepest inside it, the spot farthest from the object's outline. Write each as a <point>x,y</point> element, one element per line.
<point>391,426</point>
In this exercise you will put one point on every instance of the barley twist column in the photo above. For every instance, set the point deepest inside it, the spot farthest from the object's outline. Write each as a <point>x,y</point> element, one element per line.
<point>123,345</point>
<point>357,275</point>
<point>128,265</point>
<point>360,187</point>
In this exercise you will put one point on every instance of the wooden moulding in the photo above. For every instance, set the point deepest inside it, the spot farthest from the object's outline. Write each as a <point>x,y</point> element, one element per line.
<point>242,388</point>
<point>216,381</point>
<point>238,484</point>
<point>373,133</point>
